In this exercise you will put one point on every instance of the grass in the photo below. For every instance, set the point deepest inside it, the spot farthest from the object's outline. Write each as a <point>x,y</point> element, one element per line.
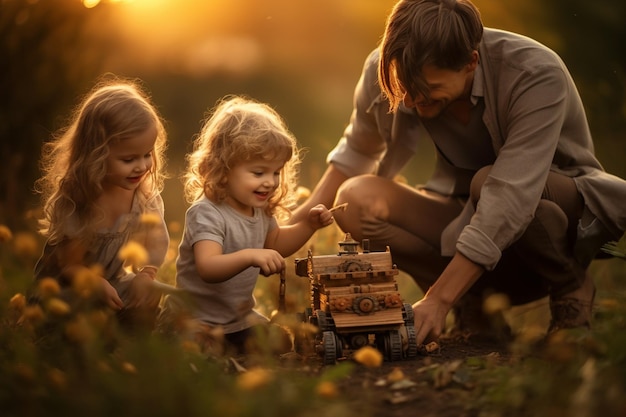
<point>55,362</point>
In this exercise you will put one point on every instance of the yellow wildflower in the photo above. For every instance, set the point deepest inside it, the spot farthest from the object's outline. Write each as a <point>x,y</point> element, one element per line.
<point>254,379</point>
<point>98,318</point>
<point>308,329</point>
<point>529,335</point>
<point>129,368</point>
<point>48,288</point>
<point>25,245</point>
<point>496,303</point>
<point>190,346</point>
<point>150,219</point>
<point>327,389</point>
<point>79,330</point>
<point>174,227</point>
<point>396,375</point>
<point>5,233</point>
<point>58,307</point>
<point>369,356</point>
<point>303,193</point>
<point>133,253</point>
<point>18,302</point>
<point>87,281</point>
<point>33,314</point>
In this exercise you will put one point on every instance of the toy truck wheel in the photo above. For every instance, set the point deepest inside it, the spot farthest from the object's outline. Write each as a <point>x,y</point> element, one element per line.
<point>411,342</point>
<point>323,321</point>
<point>329,346</point>
<point>408,315</point>
<point>392,345</point>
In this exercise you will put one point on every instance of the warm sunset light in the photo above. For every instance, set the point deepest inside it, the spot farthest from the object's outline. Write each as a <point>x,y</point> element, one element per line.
<point>105,306</point>
<point>90,3</point>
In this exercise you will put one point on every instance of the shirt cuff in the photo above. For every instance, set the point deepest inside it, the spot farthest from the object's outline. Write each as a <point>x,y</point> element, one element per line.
<point>478,247</point>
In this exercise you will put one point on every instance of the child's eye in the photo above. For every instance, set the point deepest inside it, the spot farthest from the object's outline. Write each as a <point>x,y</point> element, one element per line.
<point>257,173</point>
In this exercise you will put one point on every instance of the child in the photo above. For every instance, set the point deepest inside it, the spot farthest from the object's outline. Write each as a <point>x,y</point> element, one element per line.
<point>240,178</point>
<point>101,186</point>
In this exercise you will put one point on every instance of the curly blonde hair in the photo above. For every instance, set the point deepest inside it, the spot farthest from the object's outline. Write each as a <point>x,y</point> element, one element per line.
<point>74,161</point>
<point>241,129</point>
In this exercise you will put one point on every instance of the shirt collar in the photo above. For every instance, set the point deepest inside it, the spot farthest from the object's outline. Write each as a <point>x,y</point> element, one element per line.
<point>478,90</point>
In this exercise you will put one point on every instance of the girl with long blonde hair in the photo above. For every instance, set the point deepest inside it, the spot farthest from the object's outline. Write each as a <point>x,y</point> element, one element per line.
<point>101,189</point>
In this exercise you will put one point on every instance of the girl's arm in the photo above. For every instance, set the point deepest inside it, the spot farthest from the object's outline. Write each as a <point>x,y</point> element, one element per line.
<point>213,266</point>
<point>154,234</point>
<point>289,238</point>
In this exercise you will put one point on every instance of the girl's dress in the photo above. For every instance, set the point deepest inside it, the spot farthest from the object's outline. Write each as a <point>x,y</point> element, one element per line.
<point>144,224</point>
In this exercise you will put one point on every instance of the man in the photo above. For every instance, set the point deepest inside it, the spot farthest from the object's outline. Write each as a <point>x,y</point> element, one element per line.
<point>517,204</point>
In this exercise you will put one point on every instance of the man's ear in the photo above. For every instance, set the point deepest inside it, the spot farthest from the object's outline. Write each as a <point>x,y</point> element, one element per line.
<point>471,66</point>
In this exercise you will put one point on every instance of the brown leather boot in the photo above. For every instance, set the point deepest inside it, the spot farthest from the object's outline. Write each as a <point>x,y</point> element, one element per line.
<point>573,310</point>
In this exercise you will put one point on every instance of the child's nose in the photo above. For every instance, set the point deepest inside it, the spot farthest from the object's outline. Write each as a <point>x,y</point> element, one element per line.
<point>269,181</point>
<point>142,165</point>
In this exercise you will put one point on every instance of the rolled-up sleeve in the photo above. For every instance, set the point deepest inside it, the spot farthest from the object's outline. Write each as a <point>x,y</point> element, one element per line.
<point>531,130</point>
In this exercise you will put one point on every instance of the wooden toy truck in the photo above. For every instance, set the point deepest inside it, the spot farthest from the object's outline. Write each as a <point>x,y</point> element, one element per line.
<point>355,302</point>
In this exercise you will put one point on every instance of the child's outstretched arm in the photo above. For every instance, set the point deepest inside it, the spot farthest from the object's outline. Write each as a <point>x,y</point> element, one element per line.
<point>289,238</point>
<point>214,266</point>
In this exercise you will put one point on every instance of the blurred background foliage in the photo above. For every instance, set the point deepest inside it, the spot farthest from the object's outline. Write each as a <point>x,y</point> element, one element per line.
<point>303,58</point>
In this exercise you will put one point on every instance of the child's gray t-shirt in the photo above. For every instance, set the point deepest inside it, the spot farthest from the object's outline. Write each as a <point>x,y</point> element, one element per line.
<point>230,303</point>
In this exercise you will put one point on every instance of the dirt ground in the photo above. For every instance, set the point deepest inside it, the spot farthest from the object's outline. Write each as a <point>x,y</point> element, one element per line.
<point>429,385</point>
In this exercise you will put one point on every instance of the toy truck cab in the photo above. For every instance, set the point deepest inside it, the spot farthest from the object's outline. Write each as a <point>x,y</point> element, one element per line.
<point>355,302</point>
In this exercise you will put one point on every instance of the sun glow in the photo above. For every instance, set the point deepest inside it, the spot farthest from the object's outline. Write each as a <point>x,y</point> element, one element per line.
<point>93,3</point>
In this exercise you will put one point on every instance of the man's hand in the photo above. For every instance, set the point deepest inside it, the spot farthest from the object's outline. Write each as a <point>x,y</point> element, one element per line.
<point>430,319</point>
<point>431,311</point>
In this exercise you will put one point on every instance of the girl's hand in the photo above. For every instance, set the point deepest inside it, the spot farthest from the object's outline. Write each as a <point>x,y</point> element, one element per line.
<point>269,260</point>
<point>319,216</point>
<point>110,296</point>
<point>142,292</point>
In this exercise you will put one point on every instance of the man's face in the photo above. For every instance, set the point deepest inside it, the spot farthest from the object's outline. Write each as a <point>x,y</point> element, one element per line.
<point>446,86</point>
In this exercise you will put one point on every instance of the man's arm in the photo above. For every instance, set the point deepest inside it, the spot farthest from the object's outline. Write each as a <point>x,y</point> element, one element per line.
<point>430,312</point>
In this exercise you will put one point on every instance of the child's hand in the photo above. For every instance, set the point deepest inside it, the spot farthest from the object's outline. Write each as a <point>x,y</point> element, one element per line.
<point>110,296</point>
<point>320,216</point>
<point>142,292</point>
<point>269,260</point>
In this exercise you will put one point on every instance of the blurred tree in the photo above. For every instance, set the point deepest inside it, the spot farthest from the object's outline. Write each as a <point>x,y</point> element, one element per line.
<point>589,37</point>
<point>593,34</point>
<point>302,57</point>
<point>47,60</point>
